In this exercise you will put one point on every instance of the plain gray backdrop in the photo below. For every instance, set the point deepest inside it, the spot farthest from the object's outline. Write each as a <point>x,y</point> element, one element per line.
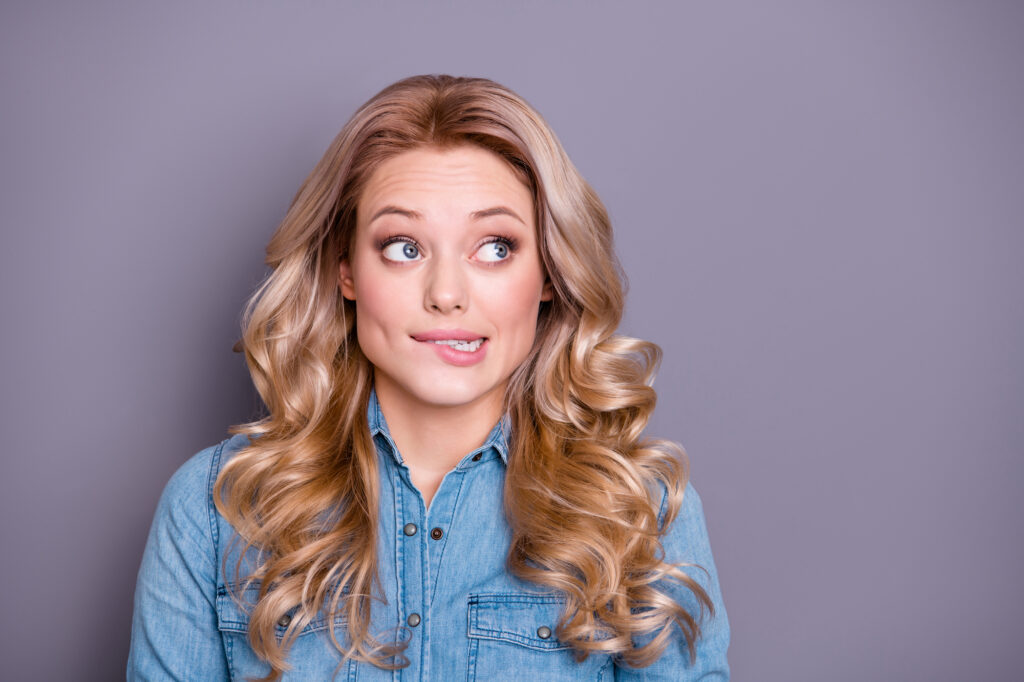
<point>818,205</point>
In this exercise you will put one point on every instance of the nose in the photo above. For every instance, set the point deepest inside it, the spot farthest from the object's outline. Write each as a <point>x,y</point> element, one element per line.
<point>446,288</point>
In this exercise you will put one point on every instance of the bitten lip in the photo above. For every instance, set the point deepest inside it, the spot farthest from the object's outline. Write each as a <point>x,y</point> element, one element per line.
<point>448,335</point>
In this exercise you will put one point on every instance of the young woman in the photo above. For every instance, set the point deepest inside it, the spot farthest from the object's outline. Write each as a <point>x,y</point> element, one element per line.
<point>450,482</point>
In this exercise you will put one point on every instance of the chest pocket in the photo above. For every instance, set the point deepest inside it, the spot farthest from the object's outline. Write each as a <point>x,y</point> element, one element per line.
<point>312,655</point>
<point>516,632</point>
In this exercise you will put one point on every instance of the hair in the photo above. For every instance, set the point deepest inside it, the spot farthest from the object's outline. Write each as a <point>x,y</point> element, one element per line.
<point>582,488</point>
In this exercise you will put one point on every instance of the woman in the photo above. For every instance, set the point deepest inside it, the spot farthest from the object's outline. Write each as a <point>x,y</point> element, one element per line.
<point>451,480</point>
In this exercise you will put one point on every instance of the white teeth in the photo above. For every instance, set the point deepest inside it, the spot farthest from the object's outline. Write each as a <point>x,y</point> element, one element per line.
<point>465,346</point>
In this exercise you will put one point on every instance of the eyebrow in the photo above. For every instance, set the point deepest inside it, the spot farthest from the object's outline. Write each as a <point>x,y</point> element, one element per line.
<point>475,215</point>
<point>496,210</point>
<point>394,210</point>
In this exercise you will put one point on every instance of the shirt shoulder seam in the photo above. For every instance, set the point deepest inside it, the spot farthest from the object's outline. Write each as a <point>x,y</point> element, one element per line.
<point>211,509</point>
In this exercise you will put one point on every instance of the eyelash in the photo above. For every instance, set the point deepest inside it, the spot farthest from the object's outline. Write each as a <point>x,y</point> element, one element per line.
<point>391,239</point>
<point>511,242</point>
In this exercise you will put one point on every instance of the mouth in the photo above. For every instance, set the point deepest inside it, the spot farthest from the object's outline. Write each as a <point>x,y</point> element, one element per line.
<point>465,350</point>
<point>461,340</point>
<point>458,344</point>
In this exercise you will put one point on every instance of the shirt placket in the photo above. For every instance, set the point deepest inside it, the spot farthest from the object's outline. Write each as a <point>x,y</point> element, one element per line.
<point>410,560</point>
<point>439,520</point>
<point>420,539</point>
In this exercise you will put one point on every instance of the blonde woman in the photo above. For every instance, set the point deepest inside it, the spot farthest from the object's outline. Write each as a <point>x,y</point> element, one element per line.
<point>450,482</point>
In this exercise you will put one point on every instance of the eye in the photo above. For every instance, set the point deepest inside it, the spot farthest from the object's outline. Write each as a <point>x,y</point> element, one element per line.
<point>496,250</point>
<point>401,251</point>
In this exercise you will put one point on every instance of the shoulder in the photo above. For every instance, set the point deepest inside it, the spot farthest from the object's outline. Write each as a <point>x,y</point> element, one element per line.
<point>690,519</point>
<point>176,593</point>
<point>187,499</point>
<point>685,539</point>
<point>686,544</point>
<point>690,511</point>
<point>195,477</point>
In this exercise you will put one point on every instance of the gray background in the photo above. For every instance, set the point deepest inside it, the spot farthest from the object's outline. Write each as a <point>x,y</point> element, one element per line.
<point>818,205</point>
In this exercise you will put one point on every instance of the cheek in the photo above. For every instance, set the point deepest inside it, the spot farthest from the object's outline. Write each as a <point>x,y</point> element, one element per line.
<point>515,307</point>
<point>380,306</point>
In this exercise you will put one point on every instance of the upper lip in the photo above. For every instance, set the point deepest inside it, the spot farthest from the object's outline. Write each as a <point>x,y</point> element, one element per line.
<point>448,335</point>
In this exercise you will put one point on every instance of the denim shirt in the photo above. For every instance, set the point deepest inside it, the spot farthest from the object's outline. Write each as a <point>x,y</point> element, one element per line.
<point>442,570</point>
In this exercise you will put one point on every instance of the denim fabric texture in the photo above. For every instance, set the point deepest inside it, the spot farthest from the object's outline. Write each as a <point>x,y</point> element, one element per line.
<point>442,571</point>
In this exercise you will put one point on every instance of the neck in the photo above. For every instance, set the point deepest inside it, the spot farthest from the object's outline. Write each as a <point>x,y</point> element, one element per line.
<point>435,437</point>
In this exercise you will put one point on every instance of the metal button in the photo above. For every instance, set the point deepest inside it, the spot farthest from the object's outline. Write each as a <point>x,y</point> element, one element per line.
<point>477,456</point>
<point>284,621</point>
<point>413,620</point>
<point>410,529</point>
<point>436,533</point>
<point>543,632</point>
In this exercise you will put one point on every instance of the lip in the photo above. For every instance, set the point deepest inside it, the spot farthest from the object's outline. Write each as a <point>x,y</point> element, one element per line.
<point>449,355</point>
<point>448,334</point>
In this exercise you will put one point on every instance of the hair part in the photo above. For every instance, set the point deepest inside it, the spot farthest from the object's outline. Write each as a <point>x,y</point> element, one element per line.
<point>582,490</point>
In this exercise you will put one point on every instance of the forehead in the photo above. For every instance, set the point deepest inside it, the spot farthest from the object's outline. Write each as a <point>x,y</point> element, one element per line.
<point>465,178</point>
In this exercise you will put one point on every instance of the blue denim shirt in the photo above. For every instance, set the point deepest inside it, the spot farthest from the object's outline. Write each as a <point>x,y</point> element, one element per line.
<point>442,570</point>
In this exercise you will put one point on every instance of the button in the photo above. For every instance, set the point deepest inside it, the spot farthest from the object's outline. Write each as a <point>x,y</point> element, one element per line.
<point>284,621</point>
<point>413,620</point>
<point>436,533</point>
<point>410,529</point>
<point>543,632</point>
<point>477,456</point>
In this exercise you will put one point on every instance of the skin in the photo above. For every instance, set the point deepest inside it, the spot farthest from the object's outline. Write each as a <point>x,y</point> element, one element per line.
<point>453,276</point>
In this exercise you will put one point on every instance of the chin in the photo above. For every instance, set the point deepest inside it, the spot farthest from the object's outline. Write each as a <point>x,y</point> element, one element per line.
<point>449,396</point>
<point>443,391</point>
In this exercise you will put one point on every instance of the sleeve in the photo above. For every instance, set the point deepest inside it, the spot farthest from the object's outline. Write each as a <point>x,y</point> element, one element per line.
<point>687,541</point>
<point>174,624</point>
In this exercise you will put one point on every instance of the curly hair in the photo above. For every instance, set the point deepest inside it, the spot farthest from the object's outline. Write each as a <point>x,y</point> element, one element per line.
<point>583,488</point>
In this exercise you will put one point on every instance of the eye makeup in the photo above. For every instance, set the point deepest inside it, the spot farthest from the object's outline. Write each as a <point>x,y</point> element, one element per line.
<point>392,238</point>
<point>510,241</point>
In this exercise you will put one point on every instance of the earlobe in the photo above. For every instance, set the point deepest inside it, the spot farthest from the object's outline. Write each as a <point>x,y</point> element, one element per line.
<point>546,293</point>
<point>345,281</point>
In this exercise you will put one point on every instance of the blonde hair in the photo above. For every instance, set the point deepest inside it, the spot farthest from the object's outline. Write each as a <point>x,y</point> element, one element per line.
<point>581,491</point>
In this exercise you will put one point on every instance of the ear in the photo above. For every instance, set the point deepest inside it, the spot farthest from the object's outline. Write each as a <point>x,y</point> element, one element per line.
<point>345,281</point>
<point>547,293</point>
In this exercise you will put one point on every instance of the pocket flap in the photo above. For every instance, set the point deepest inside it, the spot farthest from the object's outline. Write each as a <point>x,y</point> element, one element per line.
<point>527,620</point>
<point>234,617</point>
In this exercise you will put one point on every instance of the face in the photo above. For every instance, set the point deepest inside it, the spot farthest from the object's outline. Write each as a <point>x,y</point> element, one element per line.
<point>446,275</point>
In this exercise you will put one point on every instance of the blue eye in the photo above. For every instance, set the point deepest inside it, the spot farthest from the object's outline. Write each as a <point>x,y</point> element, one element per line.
<point>401,251</point>
<point>495,251</point>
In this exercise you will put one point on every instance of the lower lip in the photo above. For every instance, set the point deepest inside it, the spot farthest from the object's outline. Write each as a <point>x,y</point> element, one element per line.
<point>459,358</point>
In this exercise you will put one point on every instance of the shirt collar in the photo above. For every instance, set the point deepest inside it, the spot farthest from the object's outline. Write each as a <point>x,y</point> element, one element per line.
<point>497,439</point>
